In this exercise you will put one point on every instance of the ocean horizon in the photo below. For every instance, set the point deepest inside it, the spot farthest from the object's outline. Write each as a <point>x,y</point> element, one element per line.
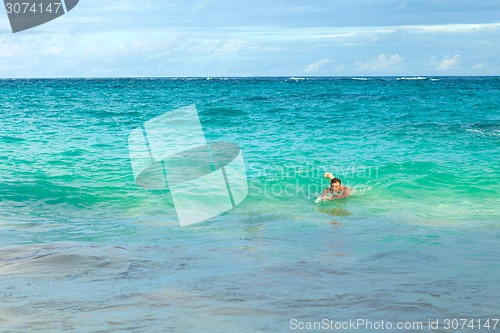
<point>402,76</point>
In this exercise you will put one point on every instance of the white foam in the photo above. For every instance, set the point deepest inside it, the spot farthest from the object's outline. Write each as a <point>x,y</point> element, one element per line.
<point>360,189</point>
<point>323,197</point>
<point>412,78</point>
<point>483,132</point>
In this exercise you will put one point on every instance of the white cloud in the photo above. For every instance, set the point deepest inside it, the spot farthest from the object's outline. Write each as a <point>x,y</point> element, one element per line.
<point>231,46</point>
<point>126,6</point>
<point>480,65</point>
<point>448,62</point>
<point>382,62</point>
<point>340,68</point>
<point>452,28</point>
<point>317,65</point>
<point>201,6</point>
<point>164,42</point>
<point>146,45</point>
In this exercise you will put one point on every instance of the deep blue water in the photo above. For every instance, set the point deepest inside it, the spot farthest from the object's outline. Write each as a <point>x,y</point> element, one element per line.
<point>83,248</point>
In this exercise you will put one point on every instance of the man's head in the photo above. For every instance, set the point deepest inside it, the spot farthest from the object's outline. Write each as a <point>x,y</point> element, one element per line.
<point>335,184</point>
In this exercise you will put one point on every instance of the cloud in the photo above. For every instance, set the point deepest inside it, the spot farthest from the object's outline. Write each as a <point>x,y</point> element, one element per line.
<point>340,68</point>
<point>217,38</point>
<point>448,62</point>
<point>480,65</point>
<point>201,6</point>
<point>125,6</point>
<point>231,45</point>
<point>452,28</point>
<point>317,65</point>
<point>382,62</point>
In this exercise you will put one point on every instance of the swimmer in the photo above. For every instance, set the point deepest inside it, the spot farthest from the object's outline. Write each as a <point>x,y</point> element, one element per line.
<point>336,189</point>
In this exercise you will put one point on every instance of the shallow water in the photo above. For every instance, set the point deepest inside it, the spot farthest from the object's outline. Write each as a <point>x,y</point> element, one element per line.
<point>83,248</point>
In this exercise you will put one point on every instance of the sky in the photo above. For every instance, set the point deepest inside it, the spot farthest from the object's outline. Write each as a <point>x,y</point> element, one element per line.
<point>175,38</point>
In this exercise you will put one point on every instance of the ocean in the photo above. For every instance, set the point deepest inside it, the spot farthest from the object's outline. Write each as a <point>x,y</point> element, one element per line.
<point>83,248</point>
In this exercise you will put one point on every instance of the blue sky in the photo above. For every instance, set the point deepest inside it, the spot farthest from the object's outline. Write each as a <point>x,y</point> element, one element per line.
<point>258,38</point>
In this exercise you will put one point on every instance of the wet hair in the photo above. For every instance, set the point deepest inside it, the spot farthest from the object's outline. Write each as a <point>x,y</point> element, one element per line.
<point>335,180</point>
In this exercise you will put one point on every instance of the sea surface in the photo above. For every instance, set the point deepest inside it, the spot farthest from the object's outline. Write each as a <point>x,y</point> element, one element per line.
<point>84,249</point>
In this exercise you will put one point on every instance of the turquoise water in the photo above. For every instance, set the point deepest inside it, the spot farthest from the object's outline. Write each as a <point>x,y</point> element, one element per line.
<point>83,248</point>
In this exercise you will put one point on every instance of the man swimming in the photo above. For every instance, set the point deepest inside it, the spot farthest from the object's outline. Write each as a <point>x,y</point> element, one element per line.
<point>336,189</point>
